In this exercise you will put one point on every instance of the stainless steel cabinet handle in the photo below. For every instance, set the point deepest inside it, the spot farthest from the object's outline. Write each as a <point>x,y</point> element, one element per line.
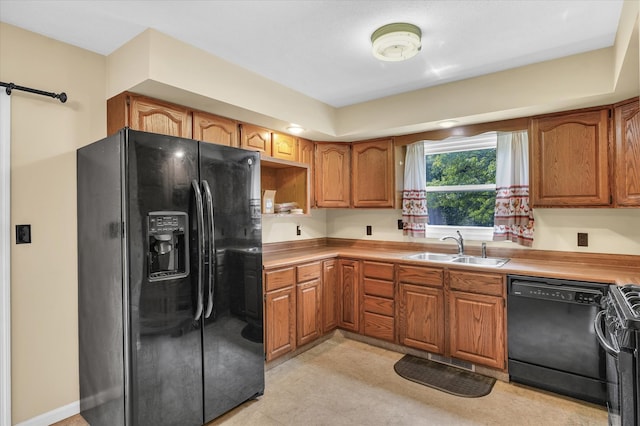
<point>212,248</point>
<point>608,347</point>
<point>200,222</point>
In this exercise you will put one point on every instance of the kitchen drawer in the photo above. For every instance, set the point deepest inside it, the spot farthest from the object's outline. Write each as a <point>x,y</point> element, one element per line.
<point>431,277</point>
<point>383,271</point>
<point>378,288</point>
<point>310,271</point>
<point>378,305</point>
<point>279,278</point>
<point>477,282</point>
<point>379,326</point>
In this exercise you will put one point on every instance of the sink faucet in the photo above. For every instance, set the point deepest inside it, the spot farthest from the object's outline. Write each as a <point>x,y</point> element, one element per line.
<point>459,241</point>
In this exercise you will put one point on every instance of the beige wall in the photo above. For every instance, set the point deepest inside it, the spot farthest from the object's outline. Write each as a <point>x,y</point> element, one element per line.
<point>44,136</point>
<point>610,230</point>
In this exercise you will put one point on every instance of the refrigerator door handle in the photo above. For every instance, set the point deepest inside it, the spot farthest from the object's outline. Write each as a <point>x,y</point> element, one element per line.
<point>200,222</point>
<point>212,247</point>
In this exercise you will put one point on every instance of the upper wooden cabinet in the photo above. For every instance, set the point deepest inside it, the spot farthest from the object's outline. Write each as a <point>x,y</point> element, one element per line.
<point>284,147</point>
<point>372,183</point>
<point>570,159</point>
<point>332,174</point>
<point>306,151</point>
<point>214,129</point>
<point>627,159</point>
<point>255,138</point>
<point>148,115</point>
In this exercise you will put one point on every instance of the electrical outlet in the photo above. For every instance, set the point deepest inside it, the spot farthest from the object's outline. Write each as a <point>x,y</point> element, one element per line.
<point>369,230</point>
<point>400,224</point>
<point>583,239</point>
<point>298,231</point>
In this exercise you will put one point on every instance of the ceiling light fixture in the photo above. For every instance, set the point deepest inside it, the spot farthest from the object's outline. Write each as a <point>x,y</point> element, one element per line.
<point>396,42</point>
<point>295,129</point>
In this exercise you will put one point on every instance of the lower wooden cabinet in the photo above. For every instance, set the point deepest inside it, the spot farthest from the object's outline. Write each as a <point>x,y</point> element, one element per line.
<point>477,331</point>
<point>477,317</point>
<point>308,302</point>
<point>349,308</point>
<point>422,317</point>
<point>421,308</point>
<point>378,305</point>
<point>456,313</point>
<point>280,319</point>
<point>330,300</point>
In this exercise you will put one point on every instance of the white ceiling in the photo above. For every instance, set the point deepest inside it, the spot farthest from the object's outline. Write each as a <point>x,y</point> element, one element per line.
<point>322,48</point>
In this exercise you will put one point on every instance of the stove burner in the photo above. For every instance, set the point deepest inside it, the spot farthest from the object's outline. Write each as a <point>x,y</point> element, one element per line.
<point>631,298</point>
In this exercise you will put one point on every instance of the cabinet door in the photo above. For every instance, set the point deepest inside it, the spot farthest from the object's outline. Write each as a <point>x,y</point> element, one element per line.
<point>284,147</point>
<point>627,170</point>
<point>330,301</point>
<point>373,174</point>
<point>422,317</point>
<point>477,328</point>
<point>306,151</point>
<point>570,155</point>
<point>153,116</point>
<point>255,138</point>
<point>214,129</point>
<point>309,311</point>
<point>333,182</point>
<point>280,316</point>
<point>349,274</point>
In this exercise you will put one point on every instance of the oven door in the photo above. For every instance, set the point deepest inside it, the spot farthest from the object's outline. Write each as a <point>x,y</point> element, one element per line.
<point>603,327</point>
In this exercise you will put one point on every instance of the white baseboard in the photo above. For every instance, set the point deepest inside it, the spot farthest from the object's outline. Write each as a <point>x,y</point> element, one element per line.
<point>53,416</point>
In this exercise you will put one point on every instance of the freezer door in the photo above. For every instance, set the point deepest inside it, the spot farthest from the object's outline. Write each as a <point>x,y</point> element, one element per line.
<point>166,344</point>
<point>232,332</point>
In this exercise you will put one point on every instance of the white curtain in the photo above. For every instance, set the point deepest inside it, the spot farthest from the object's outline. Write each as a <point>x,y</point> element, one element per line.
<point>5,260</point>
<point>414,197</point>
<point>513,218</point>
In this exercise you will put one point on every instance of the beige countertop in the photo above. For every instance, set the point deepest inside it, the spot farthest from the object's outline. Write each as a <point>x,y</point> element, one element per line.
<point>593,271</point>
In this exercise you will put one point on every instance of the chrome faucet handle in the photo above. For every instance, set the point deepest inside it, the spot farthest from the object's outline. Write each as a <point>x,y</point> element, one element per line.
<point>460,243</point>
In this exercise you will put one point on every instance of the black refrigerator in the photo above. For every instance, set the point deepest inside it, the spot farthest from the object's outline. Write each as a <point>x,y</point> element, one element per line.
<point>169,280</point>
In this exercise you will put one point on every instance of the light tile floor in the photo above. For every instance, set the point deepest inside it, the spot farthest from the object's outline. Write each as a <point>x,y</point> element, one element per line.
<point>345,382</point>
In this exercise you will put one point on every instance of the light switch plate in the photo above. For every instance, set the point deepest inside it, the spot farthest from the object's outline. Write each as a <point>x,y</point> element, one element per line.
<point>23,234</point>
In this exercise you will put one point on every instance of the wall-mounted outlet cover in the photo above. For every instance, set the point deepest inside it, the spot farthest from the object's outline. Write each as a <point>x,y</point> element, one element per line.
<point>400,224</point>
<point>298,231</point>
<point>23,234</point>
<point>583,239</point>
<point>369,230</point>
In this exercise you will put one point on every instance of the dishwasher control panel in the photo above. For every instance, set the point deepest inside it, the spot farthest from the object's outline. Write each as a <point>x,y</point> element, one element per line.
<point>553,292</point>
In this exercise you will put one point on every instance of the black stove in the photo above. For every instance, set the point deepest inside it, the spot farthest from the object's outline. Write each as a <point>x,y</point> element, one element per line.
<point>620,338</point>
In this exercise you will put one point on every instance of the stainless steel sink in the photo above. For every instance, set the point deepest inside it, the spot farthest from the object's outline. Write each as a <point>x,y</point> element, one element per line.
<point>456,258</point>
<point>481,261</point>
<point>436,257</point>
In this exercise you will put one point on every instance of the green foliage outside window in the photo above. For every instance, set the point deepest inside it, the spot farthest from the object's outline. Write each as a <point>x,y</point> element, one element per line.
<point>461,208</point>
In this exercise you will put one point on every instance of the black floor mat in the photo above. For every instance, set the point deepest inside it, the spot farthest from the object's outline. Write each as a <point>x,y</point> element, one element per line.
<point>442,377</point>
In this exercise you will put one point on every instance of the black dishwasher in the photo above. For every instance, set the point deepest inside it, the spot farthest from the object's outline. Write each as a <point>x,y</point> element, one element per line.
<point>552,343</point>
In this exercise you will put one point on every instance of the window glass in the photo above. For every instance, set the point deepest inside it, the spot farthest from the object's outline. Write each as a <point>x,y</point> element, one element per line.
<point>460,178</point>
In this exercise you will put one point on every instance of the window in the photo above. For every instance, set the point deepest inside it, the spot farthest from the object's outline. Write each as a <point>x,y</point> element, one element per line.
<point>461,184</point>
